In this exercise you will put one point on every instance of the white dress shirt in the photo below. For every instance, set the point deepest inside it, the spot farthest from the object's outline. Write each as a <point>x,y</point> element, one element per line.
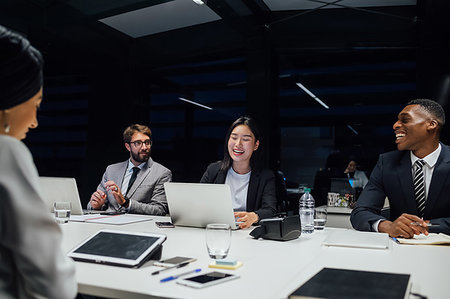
<point>128,174</point>
<point>428,167</point>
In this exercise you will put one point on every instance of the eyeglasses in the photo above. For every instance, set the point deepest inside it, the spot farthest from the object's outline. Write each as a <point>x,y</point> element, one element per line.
<point>138,143</point>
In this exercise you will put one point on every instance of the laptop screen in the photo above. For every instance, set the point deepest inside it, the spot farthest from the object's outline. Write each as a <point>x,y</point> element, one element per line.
<point>341,186</point>
<point>57,189</point>
<point>192,204</point>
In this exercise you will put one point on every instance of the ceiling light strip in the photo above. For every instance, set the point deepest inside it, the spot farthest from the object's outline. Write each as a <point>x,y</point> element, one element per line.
<point>352,129</point>
<point>195,103</point>
<point>312,95</point>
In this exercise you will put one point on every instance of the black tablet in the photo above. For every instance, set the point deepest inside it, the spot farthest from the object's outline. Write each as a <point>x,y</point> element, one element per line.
<point>121,248</point>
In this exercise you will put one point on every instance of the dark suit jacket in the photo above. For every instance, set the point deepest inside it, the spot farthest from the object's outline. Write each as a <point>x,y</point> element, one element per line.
<point>261,195</point>
<point>392,177</point>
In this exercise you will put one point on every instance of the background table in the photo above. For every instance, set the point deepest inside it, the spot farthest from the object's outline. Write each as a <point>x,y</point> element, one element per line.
<point>338,217</point>
<point>271,269</point>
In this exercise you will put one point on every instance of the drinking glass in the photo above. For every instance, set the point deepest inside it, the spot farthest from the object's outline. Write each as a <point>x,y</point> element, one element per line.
<point>320,218</point>
<point>218,240</point>
<point>62,212</point>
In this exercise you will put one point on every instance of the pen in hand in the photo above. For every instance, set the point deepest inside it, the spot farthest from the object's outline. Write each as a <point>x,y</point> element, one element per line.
<point>427,225</point>
<point>179,275</point>
<point>173,267</point>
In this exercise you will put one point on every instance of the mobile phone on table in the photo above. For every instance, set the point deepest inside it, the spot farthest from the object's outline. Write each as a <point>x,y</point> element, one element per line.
<point>174,261</point>
<point>164,224</point>
<point>208,279</point>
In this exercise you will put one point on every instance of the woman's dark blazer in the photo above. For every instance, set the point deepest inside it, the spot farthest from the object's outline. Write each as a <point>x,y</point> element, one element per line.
<point>261,197</point>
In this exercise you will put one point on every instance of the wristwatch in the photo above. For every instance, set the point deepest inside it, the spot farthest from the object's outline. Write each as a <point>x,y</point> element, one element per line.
<point>126,203</point>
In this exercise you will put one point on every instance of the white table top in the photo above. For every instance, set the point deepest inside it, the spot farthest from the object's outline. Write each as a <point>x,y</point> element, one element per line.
<point>271,269</point>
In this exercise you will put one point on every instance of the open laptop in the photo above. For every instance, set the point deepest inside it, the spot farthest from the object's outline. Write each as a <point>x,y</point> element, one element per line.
<point>197,205</point>
<point>61,189</point>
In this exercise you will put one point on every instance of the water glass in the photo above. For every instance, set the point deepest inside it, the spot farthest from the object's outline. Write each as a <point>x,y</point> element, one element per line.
<point>320,218</point>
<point>218,240</point>
<point>62,212</point>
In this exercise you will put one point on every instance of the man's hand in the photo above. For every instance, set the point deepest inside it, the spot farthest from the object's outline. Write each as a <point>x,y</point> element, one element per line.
<point>247,218</point>
<point>112,187</point>
<point>98,199</point>
<point>403,226</point>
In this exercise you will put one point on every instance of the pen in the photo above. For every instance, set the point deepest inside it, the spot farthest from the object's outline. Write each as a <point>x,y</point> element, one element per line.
<point>179,275</point>
<point>173,267</point>
<point>428,224</point>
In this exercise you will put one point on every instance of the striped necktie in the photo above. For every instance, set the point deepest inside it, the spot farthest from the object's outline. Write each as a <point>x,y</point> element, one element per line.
<point>419,186</point>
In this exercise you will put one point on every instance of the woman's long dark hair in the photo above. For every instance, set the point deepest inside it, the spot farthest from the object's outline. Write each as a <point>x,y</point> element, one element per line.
<point>255,160</point>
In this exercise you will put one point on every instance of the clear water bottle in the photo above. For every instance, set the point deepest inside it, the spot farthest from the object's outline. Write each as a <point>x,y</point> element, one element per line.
<point>306,211</point>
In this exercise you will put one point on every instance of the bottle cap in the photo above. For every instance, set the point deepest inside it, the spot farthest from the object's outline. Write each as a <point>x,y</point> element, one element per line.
<point>307,189</point>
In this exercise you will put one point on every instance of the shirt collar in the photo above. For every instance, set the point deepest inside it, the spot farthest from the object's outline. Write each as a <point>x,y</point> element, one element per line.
<point>430,160</point>
<point>131,165</point>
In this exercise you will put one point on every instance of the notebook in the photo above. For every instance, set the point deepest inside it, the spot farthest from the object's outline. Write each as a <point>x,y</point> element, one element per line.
<point>357,239</point>
<point>431,239</point>
<point>342,283</point>
<point>197,205</point>
<point>61,189</point>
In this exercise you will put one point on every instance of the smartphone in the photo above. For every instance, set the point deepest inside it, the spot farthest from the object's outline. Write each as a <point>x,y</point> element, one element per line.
<point>164,224</point>
<point>208,279</point>
<point>174,261</point>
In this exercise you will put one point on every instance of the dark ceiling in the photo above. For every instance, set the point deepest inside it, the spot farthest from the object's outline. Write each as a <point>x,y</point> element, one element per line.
<point>364,62</point>
<point>359,60</point>
<point>348,56</point>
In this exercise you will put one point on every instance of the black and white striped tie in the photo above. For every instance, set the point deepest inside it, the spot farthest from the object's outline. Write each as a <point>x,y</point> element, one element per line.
<point>419,186</point>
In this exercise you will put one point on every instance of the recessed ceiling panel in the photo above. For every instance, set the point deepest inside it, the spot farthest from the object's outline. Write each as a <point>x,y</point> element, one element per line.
<point>160,18</point>
<point>307,4</point>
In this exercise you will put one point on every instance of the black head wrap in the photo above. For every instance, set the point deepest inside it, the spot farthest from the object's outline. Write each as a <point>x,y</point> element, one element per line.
<point>20,69</point>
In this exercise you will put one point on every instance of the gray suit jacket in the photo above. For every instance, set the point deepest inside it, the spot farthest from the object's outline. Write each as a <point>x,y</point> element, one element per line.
<point>392,177</point>
<point>147,195</point>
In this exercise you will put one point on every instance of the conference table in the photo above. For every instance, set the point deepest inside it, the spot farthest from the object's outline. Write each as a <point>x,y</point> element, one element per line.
<point>271,269</point>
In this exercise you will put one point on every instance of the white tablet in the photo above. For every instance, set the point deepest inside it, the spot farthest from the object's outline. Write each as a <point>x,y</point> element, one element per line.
<point>121,248</point>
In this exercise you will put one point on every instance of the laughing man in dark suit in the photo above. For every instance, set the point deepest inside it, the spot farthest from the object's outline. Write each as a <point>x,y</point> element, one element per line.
<point>417,132</point>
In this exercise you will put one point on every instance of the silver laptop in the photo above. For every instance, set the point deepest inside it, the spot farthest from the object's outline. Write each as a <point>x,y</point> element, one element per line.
<point>61,189</point>
<point>197,205</point>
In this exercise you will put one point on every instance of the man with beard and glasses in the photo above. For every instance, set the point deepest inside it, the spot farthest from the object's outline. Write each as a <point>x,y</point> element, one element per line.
<point>136,185</point>
<point>415,178</point>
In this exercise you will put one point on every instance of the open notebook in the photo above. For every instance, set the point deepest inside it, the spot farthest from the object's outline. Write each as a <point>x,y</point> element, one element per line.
<point>431,239</point>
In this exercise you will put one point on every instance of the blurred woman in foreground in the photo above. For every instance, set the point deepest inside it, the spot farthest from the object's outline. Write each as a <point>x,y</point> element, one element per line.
<point>32,263</point>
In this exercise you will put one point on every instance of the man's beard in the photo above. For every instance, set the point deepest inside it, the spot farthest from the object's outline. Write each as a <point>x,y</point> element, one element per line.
<point>136,157</point>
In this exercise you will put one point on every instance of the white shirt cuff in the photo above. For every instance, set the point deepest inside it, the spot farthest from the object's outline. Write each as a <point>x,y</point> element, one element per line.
<point>375,225</point>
